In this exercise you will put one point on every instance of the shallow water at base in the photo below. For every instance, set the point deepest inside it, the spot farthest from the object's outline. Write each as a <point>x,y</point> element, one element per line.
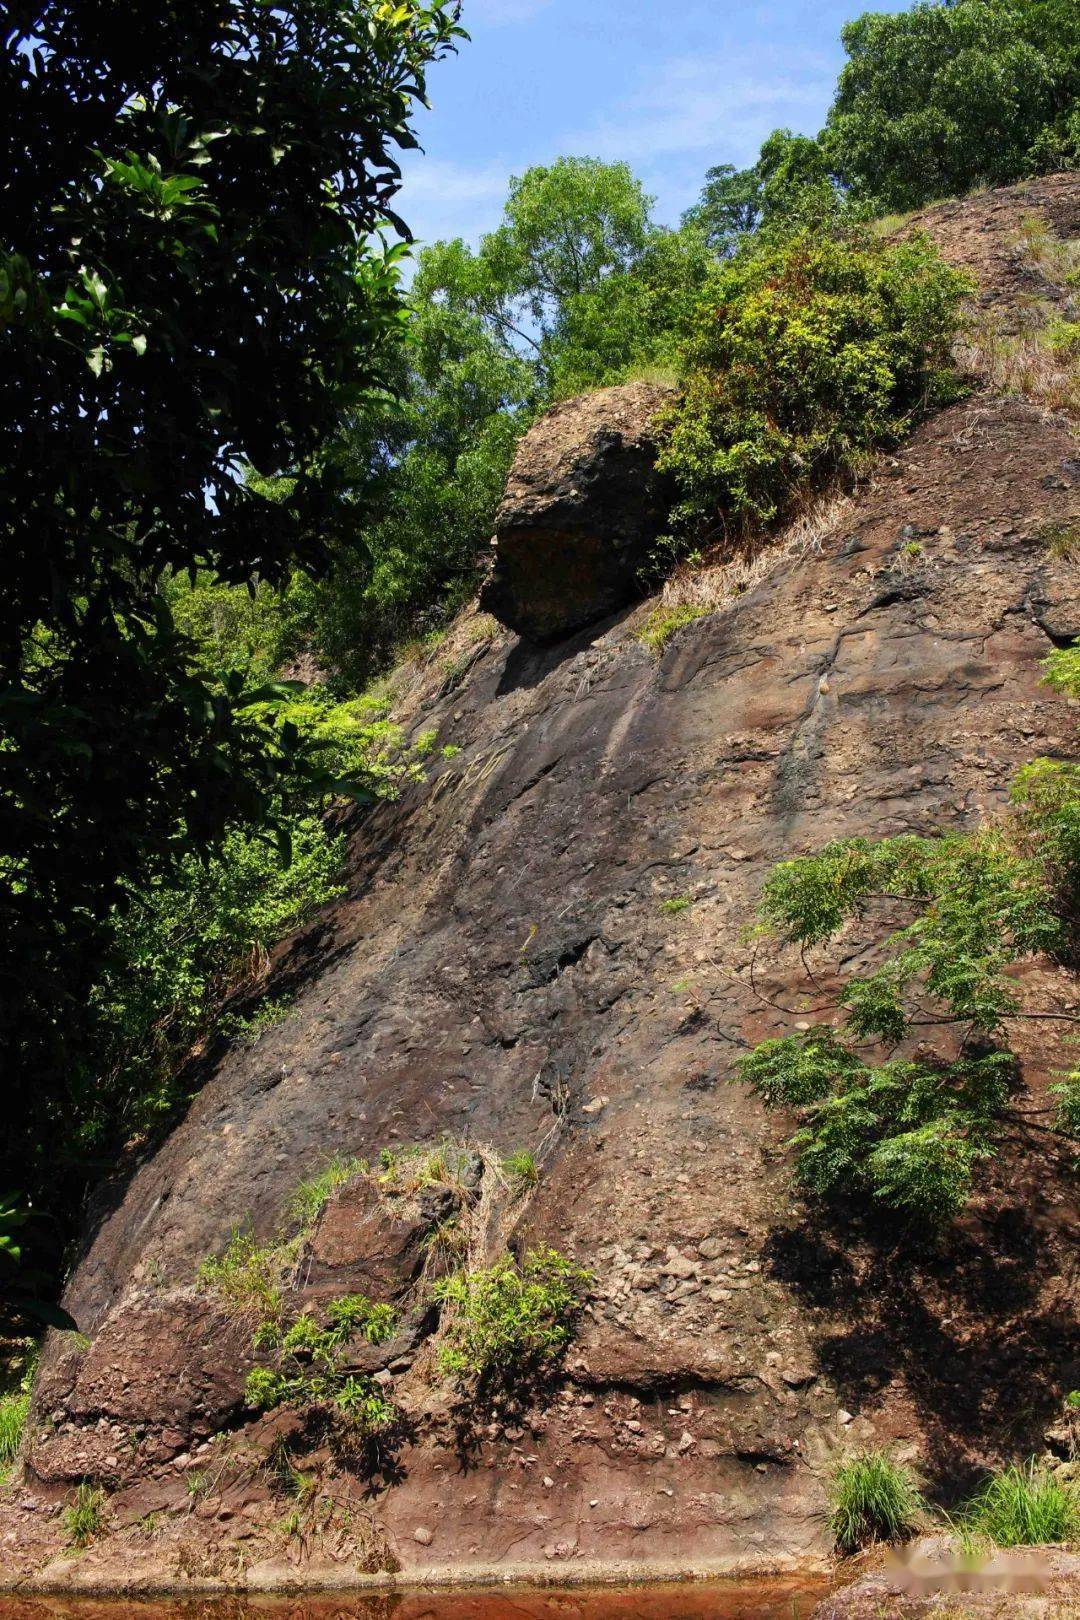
<point>725,1600</point>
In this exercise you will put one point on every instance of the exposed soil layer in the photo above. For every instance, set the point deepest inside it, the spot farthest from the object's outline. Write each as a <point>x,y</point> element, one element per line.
<point>502,972</point>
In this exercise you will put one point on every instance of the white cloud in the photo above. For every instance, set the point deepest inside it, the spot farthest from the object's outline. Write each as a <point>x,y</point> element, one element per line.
<point>721,104</point>
<point>439,198</point>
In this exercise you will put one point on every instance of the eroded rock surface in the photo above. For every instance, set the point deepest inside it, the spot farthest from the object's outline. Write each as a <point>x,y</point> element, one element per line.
<point>502,972</point>
<point>582,511</point>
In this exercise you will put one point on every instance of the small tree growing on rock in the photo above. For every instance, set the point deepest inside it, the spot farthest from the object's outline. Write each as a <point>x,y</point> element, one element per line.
<point>881,1118</point>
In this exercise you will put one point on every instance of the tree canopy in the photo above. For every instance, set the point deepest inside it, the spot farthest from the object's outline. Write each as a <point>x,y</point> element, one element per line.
<point>943,97</point>
<point>931,102</point>
<point>191,282</point>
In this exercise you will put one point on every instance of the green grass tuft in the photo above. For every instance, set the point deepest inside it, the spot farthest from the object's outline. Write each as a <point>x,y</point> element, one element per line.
<point>522,1169</point>
<point>14,1410</point>
<point>312,1196</point>
<point>873,1499</point>
<point>249,1275</point>
<point>1024,1507</point>
<point>663,622</point>
<point>1062,541</point>
<point>83,1518</point>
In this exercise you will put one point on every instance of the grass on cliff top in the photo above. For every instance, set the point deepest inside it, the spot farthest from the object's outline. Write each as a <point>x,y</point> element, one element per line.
<point>872,1498</point>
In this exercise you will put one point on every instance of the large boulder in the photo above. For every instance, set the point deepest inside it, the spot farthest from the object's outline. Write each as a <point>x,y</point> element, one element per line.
<point>582,510</point>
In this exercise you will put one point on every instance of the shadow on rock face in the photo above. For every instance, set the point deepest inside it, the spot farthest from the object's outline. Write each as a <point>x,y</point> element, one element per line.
<point>950,1329</point>
<point>529,663</point>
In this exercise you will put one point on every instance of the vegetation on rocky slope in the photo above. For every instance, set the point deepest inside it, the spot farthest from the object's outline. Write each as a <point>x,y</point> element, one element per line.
<point>873,1498</point>
<point>191,281</point>
<point>917,1085</point>
<point>165,791</point>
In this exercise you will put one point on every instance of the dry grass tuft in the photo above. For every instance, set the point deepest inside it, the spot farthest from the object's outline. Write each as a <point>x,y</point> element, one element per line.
<point>1031,365</point>
<point>709,585</point>
<point>1058,258</point>
<point>1062,541</point>
<point>1041,362</point>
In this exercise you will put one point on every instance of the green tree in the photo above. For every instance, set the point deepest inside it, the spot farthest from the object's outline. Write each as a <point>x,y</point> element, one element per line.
<point>917,1084</point>
<point>790,180</point>
<point>566,228</point>
<point>938,99</point>
<point>634,320</point>
<point>190,282</point>
<point>575,288</point>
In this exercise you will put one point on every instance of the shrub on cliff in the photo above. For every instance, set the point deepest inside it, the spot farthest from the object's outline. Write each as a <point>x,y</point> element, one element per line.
<point>949,916</point>
<point>506,1323</point>
<point>807,351</point>
<point>311,1368</point>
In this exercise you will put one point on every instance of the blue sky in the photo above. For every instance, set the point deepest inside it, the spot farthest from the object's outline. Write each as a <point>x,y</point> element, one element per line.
<point>671,86</point>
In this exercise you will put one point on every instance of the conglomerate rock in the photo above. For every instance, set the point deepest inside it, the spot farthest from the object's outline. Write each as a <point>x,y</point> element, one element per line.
<point>583,508</point>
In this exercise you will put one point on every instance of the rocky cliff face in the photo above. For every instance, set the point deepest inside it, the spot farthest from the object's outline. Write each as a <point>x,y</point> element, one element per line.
<point>503,972</point>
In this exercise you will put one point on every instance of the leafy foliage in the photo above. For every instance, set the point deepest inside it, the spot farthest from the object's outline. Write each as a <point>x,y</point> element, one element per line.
<point>181,944</point>
<point>790,179</point>
<point>909,1133</point>
<point>311,1367</point>
<point>807,350</point>
<point>872,1498</point>
<point>308,1357</point>
<point>508,1322</point>
<point>310,1371</point>
<point>942,97</point>
<point>575,288</point>
<point>162,325</point>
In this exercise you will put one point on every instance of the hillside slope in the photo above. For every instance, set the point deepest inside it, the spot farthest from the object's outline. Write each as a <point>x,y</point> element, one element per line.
<point>501,972</point>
